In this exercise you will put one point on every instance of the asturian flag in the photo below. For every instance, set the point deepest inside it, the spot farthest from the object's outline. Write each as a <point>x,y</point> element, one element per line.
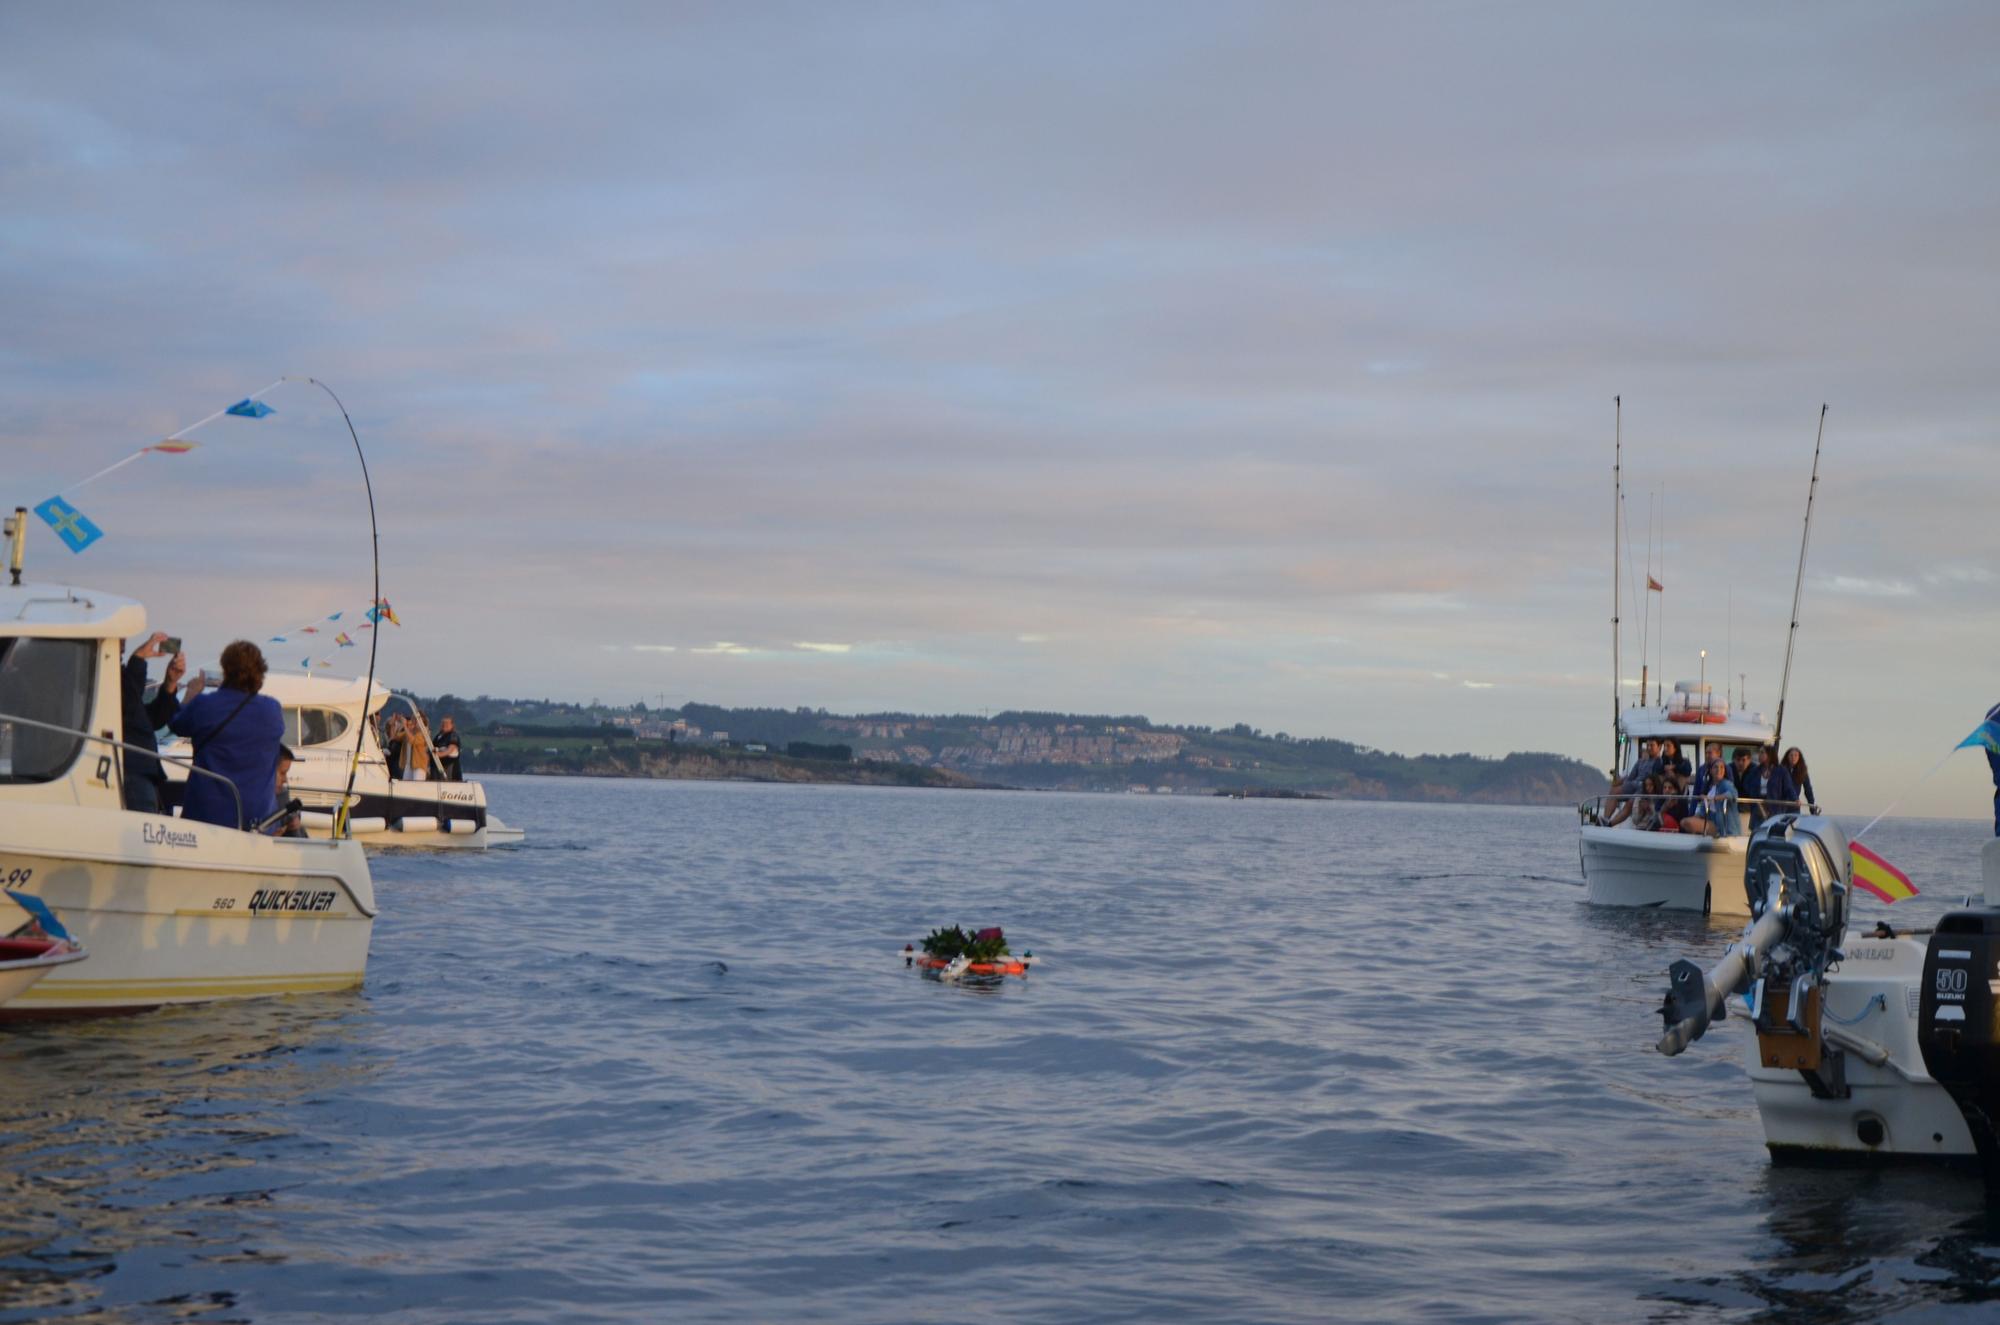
<point>71,525</point>
<point>1985,736</point>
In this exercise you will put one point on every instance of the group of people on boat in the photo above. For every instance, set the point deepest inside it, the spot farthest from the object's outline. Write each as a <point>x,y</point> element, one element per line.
<point>238,736</point>
<point>414,752</point>
<point>1662,792</point>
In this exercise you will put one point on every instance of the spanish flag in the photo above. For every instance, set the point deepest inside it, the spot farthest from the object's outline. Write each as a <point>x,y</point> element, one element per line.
<point>1878,876</point>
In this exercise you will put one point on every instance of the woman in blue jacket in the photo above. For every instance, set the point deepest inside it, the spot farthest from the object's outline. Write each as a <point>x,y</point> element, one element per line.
<point>237,733</point>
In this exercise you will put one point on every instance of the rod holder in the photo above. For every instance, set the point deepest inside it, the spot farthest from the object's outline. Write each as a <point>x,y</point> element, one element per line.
<point>17,538</point>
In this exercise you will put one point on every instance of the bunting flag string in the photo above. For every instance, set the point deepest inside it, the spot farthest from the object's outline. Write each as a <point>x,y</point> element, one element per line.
<point>322,644</point>
<point>77,531</point>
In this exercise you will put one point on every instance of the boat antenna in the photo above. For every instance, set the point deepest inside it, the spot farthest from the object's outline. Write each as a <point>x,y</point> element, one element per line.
<point>1805,541</point>
<point>340,815</point>
<point>1660,635</point>
<point>1645,631</point>
<point>1617,498</point>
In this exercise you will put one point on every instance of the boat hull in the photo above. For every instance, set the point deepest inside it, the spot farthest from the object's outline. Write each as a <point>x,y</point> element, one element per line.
<point>177,912</point>
<point>430,815</point>
<point>1667,871</point>
<point>1872,1000</point>
<point>16,977</point>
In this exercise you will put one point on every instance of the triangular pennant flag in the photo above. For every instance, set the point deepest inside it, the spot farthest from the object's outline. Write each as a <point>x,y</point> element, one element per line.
<point>1986,736</point>
<point>249,409</point>
<point>343,641</point>
<point>71,525</point>
<point>173,446</point>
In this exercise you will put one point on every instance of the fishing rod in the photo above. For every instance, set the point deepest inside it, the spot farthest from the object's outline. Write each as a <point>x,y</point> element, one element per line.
<point>1617,499</point>
<point>1798,584</point>
<point>340,815</point>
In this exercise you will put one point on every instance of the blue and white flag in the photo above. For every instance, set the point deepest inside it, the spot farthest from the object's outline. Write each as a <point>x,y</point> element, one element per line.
<point>71,525</point>
<point>249,409</point>
<point>1986,736</point>
<point>39,909</point>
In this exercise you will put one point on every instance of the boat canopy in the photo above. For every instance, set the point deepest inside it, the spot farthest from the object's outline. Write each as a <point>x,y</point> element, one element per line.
<point>56,611</point>
<point>1664,721</point>
<point>298,690</point>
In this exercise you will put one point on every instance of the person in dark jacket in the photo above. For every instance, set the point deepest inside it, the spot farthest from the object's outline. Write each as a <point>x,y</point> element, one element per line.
<point>1993,762</point>
<point>1775,788</point>
<point>1673,761</point>
<point>145,780</point>
<point>1750,787</point>
<point>237,733</point>
<point>1795,769</point>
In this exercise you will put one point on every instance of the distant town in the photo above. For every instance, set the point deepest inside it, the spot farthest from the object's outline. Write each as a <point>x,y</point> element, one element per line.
<point>1055,751</point>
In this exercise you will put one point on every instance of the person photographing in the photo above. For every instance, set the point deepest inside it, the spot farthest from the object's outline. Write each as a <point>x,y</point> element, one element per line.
<point>237,733</point>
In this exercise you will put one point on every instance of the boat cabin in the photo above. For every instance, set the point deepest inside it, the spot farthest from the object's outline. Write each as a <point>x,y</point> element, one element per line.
<point>1697,721</point>
<point>60,650</point>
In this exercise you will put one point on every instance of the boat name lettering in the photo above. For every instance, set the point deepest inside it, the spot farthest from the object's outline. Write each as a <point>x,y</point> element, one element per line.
<point>291,899</point>
<point>159,835</point>
<point>15,878</point>
<point>463,794</point>
<point>1882,953</point>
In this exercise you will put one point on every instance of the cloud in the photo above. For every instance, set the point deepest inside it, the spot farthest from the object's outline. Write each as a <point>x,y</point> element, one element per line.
<point>1865,587</point>
<point>1477,685</point>
<point>812,647</point>
<point>912,323</point>
<point>655,648</point>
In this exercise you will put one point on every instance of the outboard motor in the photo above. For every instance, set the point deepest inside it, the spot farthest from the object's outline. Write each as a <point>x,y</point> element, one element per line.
<point>1956,1023</point>
<point>1796,876</point>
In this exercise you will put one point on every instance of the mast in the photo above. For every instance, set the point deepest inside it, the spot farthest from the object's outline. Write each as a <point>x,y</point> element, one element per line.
<point>1798,583</point>
<point>1617,495</point>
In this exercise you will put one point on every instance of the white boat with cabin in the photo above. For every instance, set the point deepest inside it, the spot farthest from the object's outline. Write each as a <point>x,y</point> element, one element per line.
<point>321,715</point>
<point>1865,1047</point>
<point>1626,866</point>
<point>170,911</point>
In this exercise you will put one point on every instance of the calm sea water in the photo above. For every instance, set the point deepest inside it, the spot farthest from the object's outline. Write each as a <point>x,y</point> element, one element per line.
<point>1287,1061</point>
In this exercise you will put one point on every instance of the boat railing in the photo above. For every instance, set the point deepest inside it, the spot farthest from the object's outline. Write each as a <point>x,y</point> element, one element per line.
<point>235,793</point>
<point>1594,810</point>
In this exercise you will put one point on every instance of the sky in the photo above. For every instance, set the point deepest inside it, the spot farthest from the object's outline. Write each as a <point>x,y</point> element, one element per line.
<point>1214,362</point>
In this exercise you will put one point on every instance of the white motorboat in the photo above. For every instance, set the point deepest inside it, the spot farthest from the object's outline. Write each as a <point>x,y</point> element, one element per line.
<point>1624,866</point>
<point>170,911</point>
<point>1876,1046</point>
<point>322,715</point>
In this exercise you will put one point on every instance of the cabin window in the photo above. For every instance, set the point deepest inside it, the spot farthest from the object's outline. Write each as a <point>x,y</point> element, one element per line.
<point>46,681</point>
<point>305,727</point>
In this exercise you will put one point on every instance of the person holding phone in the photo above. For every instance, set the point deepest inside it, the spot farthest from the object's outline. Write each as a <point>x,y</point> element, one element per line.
<point>237,733</point>
<point>145,780</point>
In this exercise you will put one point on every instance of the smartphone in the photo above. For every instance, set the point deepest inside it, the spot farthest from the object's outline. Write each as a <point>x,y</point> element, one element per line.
<point>171,645</point>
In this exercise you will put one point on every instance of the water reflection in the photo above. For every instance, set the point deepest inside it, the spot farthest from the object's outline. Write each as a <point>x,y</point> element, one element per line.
<point>1858,1245</point>
<point>141,1145</point>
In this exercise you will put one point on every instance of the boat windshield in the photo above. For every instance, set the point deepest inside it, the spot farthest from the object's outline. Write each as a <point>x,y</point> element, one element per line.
<point>313,726</point>
<point>43,680</point>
